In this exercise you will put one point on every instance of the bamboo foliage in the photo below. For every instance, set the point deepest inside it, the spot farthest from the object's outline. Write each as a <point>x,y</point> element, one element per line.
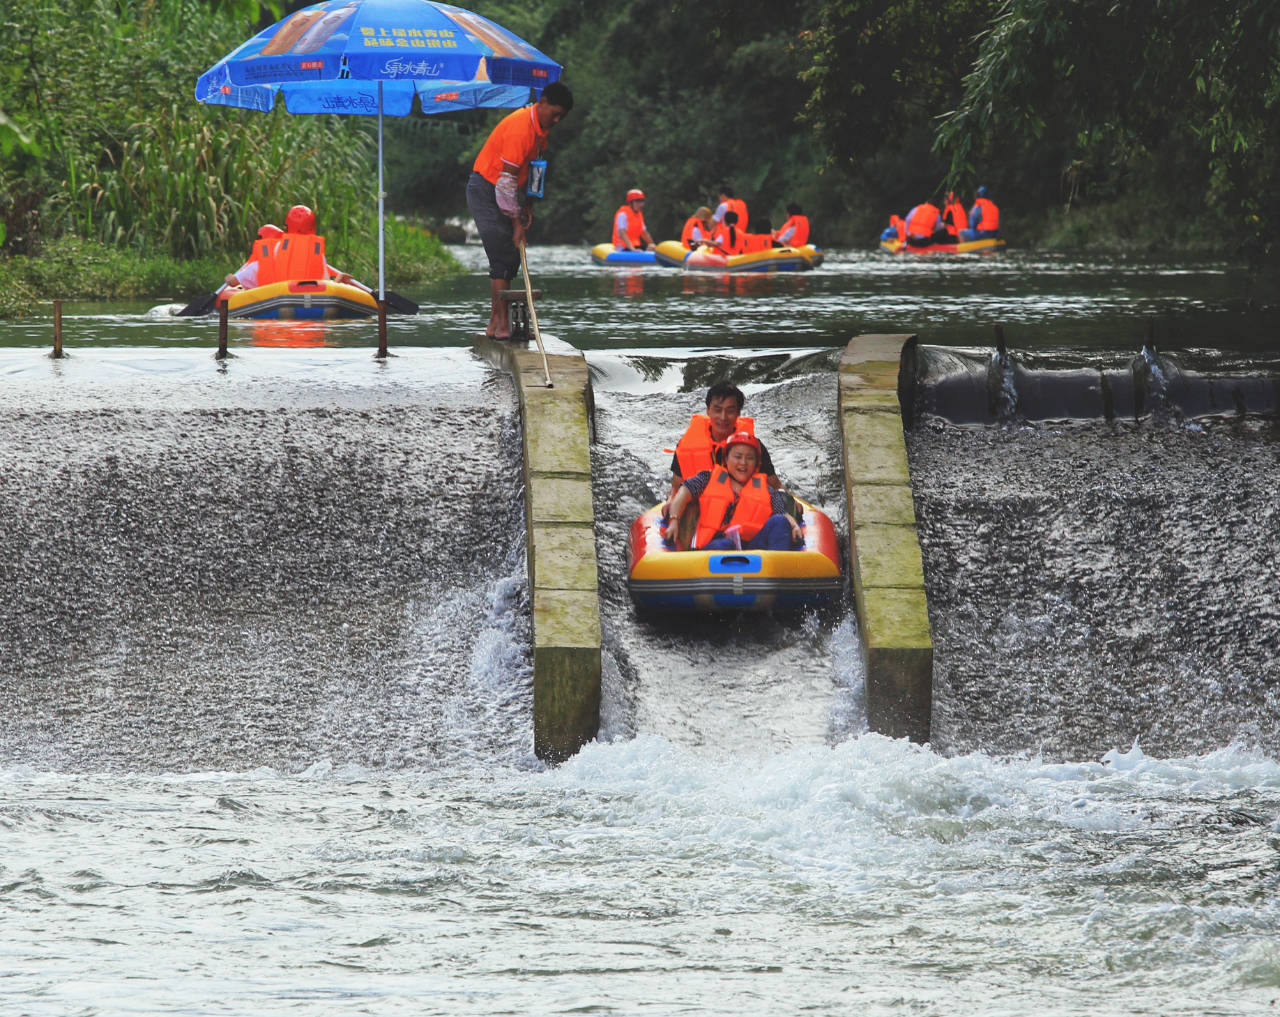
<point>125,155</point>
<point>192,184</point>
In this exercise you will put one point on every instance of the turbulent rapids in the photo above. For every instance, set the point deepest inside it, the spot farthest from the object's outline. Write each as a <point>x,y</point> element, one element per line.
<point>266,569</point>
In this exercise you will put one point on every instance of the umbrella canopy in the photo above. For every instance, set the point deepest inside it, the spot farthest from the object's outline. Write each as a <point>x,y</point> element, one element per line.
<point>374,57</point>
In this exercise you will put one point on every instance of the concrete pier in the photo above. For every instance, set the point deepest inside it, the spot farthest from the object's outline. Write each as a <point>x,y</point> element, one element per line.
<point>560,531</point>
<point>884,552</point>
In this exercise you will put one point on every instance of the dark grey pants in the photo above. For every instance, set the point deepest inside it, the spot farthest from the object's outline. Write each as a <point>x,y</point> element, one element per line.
<point>495,229</point>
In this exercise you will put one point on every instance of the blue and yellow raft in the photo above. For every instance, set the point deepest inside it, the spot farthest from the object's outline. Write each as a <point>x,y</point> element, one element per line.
<point>663,579</point>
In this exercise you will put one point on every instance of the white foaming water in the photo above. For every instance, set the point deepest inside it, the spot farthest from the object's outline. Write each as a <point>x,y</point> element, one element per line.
<point>870,876</point>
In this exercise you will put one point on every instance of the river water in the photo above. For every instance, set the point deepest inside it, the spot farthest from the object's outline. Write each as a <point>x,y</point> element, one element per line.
<point>265,674</point>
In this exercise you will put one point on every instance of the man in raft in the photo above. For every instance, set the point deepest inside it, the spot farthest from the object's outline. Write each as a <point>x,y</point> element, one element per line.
<point>293,253</point>
<point>629,232</point>
<point>736,506</point>
<point>728,203</point>
<point>493,191</point>
<point>954,217</point>
<point>984,218</point>
<point>702,444</point>
<point>795,231</point>
<point>924,226</point>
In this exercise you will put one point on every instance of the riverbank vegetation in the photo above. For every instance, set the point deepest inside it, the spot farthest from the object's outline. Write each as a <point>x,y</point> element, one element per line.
<point>115,182</point>
<point>1147,126</point>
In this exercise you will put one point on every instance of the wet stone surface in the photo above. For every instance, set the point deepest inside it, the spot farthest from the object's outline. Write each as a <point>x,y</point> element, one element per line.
<point>228,587</point>
<point>1091,584</point>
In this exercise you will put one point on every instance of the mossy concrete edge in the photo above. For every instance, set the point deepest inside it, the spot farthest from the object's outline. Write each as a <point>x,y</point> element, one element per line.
<point>885,562</point>
<point>557,428</point>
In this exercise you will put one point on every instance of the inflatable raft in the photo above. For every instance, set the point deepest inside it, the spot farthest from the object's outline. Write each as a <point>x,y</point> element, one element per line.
<point>305,299</point>
<point>607,254</point>
<point>896,246</point>
<point>663,579</point>
<point>708,259</point>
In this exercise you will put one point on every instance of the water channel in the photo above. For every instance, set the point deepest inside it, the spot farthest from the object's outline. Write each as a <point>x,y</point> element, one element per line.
<point>265,674</point>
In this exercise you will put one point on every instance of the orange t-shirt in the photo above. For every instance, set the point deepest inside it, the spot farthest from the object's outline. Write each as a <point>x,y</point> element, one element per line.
<point>517,139</point>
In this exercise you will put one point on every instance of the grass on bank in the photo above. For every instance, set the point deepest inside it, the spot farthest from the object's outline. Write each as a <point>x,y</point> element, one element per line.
<point>72,268</point>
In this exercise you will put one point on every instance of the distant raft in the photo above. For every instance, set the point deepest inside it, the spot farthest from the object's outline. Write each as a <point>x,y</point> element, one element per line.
<point>896,246</point>
<point>607,254</point>
<point>709,259</point>
<point>663,579</point>
<point>301,299</point>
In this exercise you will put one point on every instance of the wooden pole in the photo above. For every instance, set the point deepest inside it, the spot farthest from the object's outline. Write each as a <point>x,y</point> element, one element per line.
<point>222,330</point>
<point>533,316</point>
<point>382,329</point>
<point>57,329</point>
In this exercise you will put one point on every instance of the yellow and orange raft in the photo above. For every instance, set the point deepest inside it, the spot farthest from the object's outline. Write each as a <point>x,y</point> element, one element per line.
<point>709,259</point>
<point>663,579</point>
<point>301,299</point>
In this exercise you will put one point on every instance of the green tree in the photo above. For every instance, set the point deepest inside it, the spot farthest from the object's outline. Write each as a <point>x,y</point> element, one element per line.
<point>677,97</point>
<point>1172,104</point>
<point>878,74</point>
<point>122,153</point>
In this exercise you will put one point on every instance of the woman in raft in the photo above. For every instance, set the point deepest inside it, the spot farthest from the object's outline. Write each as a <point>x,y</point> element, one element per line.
<point>736,507</point>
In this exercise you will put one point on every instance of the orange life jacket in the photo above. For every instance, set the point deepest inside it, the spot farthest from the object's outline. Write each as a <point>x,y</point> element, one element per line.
<point>635,227</point>
<point>757,242</point>
<point>261,255</point>
<point>686,234</point>
<point>720,234</point>
<point>801,235</point>
<point>734,241</point>
<point>739,206</point>
<point>990,220</point>
<point>296,256</point>
<point>696,449</point>
<point>899,224</point>
<point>922,220</point>
<point>959,218</point>
<point>751,507</point>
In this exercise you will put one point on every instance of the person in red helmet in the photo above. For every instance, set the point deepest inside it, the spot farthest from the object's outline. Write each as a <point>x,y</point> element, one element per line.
<point>736,506</point>
<point>296,253</point>
<point>629,233</point>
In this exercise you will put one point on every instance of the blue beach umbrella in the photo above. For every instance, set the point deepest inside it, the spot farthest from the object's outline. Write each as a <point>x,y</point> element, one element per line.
<point>367,57</point>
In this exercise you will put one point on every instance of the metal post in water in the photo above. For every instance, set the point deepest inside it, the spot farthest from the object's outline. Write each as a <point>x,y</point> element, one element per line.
<point>382,328</point>
<point>222,330</point>
<point>1001,349</point>
<point>57,329</point>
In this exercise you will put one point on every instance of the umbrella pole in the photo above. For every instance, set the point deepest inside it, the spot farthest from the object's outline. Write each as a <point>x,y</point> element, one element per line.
<point>382,286</point>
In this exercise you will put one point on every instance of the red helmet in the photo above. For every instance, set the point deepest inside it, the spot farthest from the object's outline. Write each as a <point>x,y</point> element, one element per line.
<point>300,220</point>
<point>742,438</point>
<point>270,231</point>
<point>635,194</point>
